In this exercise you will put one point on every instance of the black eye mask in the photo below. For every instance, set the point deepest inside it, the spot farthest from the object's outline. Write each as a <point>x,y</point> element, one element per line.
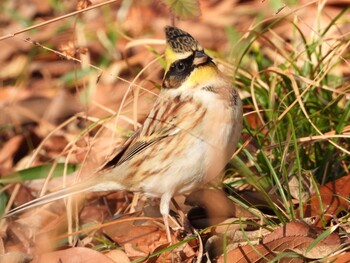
<point>178,73</point>
<point>181,69</point>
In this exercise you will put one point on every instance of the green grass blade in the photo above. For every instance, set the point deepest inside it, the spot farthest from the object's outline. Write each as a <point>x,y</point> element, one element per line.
<point>39,172</point>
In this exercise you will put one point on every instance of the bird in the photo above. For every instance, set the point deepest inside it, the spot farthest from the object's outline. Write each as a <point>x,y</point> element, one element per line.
<point>186,140</point>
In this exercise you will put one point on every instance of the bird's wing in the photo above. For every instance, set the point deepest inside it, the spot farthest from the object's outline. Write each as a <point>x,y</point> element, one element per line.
<point>141,141</point>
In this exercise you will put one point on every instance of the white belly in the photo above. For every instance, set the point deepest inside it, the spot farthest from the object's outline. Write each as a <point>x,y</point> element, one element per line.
<point>184,174</point>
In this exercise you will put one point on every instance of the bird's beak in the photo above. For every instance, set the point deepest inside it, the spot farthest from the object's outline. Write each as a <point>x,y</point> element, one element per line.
<point>200,58</point>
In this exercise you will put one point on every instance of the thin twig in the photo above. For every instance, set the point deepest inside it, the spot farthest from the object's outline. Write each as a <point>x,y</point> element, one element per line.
<point>56,19</point>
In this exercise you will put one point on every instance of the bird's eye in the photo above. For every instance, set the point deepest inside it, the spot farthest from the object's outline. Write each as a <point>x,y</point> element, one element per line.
<point>180,67</point>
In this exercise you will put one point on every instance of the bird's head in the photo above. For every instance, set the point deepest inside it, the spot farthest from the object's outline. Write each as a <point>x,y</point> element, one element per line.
<point>186,60</point>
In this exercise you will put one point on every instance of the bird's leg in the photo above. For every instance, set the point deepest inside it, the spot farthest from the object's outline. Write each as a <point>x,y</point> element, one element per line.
<point>164,210</point>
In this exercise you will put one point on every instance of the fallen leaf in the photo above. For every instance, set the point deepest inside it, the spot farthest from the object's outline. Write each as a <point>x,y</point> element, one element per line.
<point>118,256</point>
<point>234,237</point>
<point>294,236</point>
<point>128,232</point>
<point>307,188</point>
<point>133,251</point>
<point>15,257</point>
<point>333,197</point>
<point>341,258</point>
<point>14,67</point>
<point>28,110</point>
<point>300,229</point>
<point>292,229</point>
<point>76,255</point>
<point>253,119</point>
<point>62,106</point>
<point>261,253</point>
<point>93,212</point>
<point>40,225</point>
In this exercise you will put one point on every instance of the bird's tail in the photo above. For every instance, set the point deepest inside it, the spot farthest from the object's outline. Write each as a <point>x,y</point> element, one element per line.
<point>85,186</point>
